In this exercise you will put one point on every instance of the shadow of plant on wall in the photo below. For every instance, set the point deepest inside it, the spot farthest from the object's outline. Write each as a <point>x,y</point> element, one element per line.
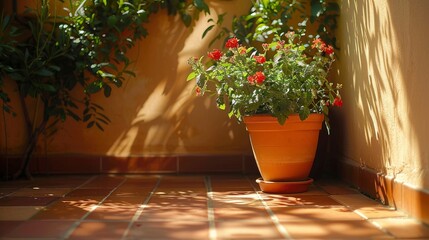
<point>382,69</point>
<point>157,113</point>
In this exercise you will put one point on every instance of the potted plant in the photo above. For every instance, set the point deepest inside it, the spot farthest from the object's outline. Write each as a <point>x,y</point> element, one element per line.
<point>280,88</point>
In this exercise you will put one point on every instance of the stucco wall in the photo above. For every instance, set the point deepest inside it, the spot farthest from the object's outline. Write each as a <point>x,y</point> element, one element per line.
<point>384,67</point>
<point>156,113</point>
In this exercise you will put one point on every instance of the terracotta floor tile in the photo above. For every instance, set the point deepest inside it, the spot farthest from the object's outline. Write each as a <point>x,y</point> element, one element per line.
<point>353,229</point>
<point>124,200</point>
<point>334,188</point>
<point>68,208</point>
<point>254,214</point>
<point>285,214</point>
<point>142,180</point>
<point>247,230</point>
<point>367,207</point>
<point>182,181</point>
<point>103,181</point>
<point>116,209</point>
<point>128,191</point>
<point>301,200</point>
<point>404,228</point>
<point>185,191</point>
<point>8,226</point>
<point>170,230</point>
<point>224,181</point>
<point>41,192</point>
<point>18,213</point>
<point>181,208</point>
<point>99,230</point>
<point>379,212</point>
<point>89,192</point>
<point>312,190</point>
<point>41,229</point>
<point>174,213</point>
<point>236,198</point>
<point>356,200</point>
<point>178,201</point>
<point>26,201</point>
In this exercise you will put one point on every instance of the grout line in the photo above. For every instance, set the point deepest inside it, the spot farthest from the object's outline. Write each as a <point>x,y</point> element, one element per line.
<point>78,222</point>
<point>141,208</point>
<point>210,209</point>
<point>282,230</point>
<point>365,218</point>
<point>61,197</point>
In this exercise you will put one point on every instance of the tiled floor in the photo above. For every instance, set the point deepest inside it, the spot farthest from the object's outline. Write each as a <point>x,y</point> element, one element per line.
<point>191,207</point>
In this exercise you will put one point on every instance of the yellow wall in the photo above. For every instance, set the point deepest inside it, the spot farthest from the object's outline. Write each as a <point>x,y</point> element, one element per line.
<point>384,67</point>
<point>156,113</point>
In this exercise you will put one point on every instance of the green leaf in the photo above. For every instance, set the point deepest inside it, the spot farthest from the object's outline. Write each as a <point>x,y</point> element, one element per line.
<point>221,106</point>
<point>304,113</point>
<point>316,9</point>
<point>44,73</point>
<point>201,5</point>
<point>45,87</point>
<point>191,76</point>
<point>93,87</point>
<point>112,20</point>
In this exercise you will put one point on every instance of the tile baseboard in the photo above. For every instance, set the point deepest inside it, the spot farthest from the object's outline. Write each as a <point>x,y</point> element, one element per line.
<point>387,190</point>
<point>78,164</point>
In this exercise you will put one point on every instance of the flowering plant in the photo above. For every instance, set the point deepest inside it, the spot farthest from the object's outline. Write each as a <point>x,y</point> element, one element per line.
<point>284,77</point>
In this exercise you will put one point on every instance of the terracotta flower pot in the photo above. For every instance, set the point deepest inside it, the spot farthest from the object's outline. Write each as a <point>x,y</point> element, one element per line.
<point>284,153</point>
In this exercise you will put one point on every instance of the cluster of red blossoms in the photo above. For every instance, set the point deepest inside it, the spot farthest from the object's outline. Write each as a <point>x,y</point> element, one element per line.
<point>256,78</point>
<point>259,77</point>
<point>318,43</point>
<point>216,54</point>
<point>338,102</point>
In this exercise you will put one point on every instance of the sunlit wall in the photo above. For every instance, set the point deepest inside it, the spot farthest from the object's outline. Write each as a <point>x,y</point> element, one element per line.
<point>157,112</point>
<point>384,67</point>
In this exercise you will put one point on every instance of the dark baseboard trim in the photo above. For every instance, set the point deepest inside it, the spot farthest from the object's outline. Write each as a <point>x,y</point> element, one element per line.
<point>86,164</point>
<point>387,190</point>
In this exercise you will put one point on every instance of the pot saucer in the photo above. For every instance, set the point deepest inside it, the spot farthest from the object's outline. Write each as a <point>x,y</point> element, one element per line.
<point>284,187</point>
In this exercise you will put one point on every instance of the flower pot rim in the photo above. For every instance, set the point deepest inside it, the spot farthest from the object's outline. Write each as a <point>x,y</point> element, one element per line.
<point>291,118</point>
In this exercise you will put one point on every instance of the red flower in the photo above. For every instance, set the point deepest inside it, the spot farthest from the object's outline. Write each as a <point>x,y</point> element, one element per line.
<point>198,91</point>
<point>216,54</point>
<point>260,77</point>
<point>232,43</point>
<point>259,59</point>
<point>329,50</point>
<point>338,102</point>
<point>318,43</point>
<point>251,79</point>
